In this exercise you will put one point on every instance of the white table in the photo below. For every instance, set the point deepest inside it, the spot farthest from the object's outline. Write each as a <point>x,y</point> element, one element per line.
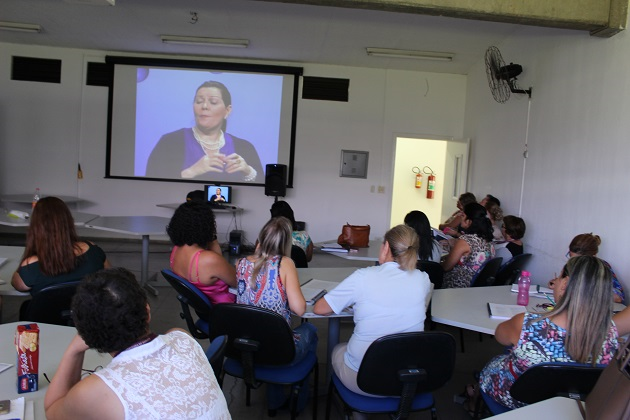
<point>228,208</point>
<point>80,219</point>
<point>337,274</point>
<point>144,226</point>
<point>53,341</point>
<point>28,198</point>
<point>551,409</point>
<point>13,255</point>
<point>467,307</point>
<point>370,253</point>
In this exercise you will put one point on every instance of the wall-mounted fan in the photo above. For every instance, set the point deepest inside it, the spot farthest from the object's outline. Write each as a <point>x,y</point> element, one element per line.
<point>502,78</point>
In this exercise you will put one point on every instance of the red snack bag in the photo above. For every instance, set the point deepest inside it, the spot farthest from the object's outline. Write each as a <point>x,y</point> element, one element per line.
<point>27,346</point>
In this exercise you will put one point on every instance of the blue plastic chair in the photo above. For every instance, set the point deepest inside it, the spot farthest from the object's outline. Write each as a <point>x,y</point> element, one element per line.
<point>511,270</point>
<point>216,356</point>
<point>261,349</point>
<point>548,380</point>
<point>486,274</point>
<point>401,370</point>
<point>190,296</point>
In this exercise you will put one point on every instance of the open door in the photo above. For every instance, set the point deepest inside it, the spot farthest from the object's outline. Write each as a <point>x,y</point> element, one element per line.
<point>446,158</point>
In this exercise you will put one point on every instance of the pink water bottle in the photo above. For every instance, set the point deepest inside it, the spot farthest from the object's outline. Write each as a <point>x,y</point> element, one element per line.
<point>523,288</point>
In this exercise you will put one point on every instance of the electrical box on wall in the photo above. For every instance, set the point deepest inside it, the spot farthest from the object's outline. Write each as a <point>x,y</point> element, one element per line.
<point>354,164</point>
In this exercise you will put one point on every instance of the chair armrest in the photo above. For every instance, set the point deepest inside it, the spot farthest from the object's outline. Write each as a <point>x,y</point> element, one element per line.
<point>411,375</point>
<point>244,344</point>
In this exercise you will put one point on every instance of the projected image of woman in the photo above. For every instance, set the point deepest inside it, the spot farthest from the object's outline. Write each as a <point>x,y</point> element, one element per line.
<point>206,150</point>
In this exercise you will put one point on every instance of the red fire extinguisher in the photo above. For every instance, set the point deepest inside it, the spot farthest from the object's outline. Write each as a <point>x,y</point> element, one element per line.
<point>416,170</point>
<point>431,182</point>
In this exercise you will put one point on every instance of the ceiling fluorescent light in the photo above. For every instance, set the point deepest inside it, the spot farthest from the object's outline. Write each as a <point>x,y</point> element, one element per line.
<point>418,55</point>
<point>208,42</point>
<point>20,27</point>
<point>93,2</point>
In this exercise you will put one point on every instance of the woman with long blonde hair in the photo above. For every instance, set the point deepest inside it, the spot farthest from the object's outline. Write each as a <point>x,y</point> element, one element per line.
<point>579,329</point>
<point>269,279</point>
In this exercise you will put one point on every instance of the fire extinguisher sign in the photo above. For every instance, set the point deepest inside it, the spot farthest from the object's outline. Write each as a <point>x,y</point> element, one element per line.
<point>430,182</point>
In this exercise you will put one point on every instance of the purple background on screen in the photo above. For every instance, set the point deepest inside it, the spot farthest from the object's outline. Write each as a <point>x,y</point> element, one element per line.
<point>165,104</point>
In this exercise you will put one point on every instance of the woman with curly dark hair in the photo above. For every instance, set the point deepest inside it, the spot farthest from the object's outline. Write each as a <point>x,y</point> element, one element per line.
<point>53,253</point>
<point>196,254</point>
<point>148,375</point>
<point>472,248</point>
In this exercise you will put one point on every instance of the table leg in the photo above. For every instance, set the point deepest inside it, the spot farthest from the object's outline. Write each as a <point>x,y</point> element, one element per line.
<point>144,269</point>
<point>333,339</point>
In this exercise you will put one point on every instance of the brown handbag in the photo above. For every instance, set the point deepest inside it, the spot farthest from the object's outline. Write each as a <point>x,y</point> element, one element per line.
<point>610,398</point>
<point>354,236</point>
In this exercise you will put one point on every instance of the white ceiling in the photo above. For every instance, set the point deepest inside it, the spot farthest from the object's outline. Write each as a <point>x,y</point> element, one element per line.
<point>277,31</point>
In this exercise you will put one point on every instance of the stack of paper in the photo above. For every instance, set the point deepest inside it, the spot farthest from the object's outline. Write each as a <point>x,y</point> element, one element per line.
<point>333,247</point>
<point>501,311</point>
<point>314,289</point>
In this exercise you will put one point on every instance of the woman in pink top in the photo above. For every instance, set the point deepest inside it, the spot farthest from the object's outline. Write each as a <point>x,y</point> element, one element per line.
<point>196,254</point>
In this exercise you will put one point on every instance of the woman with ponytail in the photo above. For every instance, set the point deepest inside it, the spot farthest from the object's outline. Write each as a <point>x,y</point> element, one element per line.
<point>386,299</point>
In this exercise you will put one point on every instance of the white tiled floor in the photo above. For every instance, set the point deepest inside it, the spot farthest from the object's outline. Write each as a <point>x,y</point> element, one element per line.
<point>165,314</point>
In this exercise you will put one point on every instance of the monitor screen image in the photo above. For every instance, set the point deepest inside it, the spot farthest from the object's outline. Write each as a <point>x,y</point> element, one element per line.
<point>219,194</point>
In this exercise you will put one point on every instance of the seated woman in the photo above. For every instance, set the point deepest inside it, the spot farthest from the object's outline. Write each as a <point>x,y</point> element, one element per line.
<point>588,244</point>
<point>513,229</point>
<point>53,253</point>
<point>149,376</point>
<point>579,329</point>
<point>269,279</point>
<point>300,238</point>
<point>379,306</point>
<point>495,213</point>
<point>430,249</point>
<point>451,226</point>
<point>472,248</point>
<point>196,254</point>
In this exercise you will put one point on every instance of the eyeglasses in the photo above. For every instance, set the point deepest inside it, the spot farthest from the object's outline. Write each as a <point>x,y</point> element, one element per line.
<point>568,254</point>
<point>545,306</point>
<point>84,372</point>
<point>87,372</point>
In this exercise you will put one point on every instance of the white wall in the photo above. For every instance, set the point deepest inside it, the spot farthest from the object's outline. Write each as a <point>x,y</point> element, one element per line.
<point>576,177</point>
<point>46,129</point>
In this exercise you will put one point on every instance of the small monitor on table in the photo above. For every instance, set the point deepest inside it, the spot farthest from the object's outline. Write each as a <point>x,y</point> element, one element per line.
<point>218,195</point>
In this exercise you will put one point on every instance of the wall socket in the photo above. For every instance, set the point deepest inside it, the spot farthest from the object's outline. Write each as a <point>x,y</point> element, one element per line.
<point>381,189</point>
<point>372,189</point>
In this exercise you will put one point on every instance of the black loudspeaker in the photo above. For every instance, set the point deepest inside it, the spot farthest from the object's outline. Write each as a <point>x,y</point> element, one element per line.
<point>276,180</point>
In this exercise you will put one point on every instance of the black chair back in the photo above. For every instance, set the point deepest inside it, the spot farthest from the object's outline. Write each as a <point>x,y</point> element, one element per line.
<point>548,380</point>
<point>266,330</point>
<point>52,304</point>
<point>299,257</point>
<point>434,270</point>
<point>511,270</point>
<point>487,273</point>
<point>430,351</point>
<point>190,296</point>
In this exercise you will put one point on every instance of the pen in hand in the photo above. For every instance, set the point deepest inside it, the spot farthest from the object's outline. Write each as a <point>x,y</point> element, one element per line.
<point>550,299</point>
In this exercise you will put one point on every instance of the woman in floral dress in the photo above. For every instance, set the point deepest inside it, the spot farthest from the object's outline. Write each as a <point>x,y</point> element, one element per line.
<point>472,248</point>
<point>579,329</point>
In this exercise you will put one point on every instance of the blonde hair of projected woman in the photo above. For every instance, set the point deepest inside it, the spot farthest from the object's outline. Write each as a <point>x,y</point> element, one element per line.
<point>274,239</point>
<point>403,244</point>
